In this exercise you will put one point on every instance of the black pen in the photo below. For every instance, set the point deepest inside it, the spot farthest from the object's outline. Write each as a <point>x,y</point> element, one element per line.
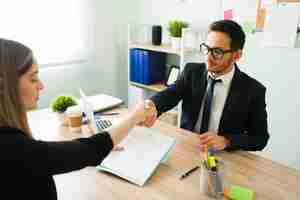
<point>106,114</point>
<point>189,172</point>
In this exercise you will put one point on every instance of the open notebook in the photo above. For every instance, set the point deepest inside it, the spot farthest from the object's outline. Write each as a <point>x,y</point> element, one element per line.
<point>144,149</point>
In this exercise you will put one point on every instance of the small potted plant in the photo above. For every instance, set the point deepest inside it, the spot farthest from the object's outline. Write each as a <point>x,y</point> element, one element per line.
<point>175,28</point>
<point>60,105</point>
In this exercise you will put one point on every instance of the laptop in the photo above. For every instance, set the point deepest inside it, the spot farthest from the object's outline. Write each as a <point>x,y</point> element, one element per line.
<point>93,104</point>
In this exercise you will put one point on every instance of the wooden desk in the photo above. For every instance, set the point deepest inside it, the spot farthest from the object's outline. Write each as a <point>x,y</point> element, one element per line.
<point>269,180</point>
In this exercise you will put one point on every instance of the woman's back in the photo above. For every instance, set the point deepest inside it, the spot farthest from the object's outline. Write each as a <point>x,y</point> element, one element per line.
<point>17,182</point>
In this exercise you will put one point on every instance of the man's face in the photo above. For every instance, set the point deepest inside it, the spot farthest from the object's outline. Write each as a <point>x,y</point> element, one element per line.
<point>223,64</point>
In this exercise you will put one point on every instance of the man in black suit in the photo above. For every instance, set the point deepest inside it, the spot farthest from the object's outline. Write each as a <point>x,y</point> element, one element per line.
<point>221,103</point>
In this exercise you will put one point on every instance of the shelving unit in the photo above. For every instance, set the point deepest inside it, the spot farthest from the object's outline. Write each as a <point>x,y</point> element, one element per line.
<point>189,47</point>
<point>165,48</point>
<point>158,87</point>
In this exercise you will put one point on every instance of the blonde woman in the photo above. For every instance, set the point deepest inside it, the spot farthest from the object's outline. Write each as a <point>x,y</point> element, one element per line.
<point>27,165</point>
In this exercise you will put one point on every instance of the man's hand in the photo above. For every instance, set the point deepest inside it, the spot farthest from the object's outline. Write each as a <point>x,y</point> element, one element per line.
<point>151,114</point>
<point>212,140</point>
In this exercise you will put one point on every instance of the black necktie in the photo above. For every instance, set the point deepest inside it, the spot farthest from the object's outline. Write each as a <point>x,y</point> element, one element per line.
<point>207,105</point>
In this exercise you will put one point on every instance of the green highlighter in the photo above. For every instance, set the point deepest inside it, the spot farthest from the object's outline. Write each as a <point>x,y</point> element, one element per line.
<point>239,193</point>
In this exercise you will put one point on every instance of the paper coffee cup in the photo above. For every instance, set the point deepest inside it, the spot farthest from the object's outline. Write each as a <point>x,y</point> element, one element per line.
<point>74,115</point>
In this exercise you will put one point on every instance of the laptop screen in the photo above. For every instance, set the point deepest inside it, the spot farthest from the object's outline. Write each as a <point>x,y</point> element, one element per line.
<point>88,110</point>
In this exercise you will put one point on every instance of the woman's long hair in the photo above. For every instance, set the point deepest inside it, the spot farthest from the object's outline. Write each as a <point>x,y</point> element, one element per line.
<point>15,60</point>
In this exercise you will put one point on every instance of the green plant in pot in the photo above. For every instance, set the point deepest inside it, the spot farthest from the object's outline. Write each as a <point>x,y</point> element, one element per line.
<point>175,29</point>
<point>60,105</point>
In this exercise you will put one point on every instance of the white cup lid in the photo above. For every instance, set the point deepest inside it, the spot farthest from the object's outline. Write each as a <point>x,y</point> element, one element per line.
<point>73,110</point>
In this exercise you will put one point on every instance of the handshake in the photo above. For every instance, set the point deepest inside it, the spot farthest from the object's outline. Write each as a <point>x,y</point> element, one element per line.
<point>145,113</point>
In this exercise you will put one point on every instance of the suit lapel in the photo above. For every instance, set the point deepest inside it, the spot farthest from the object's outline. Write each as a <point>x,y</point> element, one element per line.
<point>197,98</point>
<point>233,97</point>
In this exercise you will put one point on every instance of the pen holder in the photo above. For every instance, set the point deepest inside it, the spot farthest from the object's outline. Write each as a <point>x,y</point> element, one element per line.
<point>212,182</point>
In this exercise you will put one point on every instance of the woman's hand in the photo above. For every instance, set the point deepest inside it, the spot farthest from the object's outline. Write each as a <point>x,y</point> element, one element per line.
<point>143,112</point>
<point>136,116</point>
<point>148,116</point>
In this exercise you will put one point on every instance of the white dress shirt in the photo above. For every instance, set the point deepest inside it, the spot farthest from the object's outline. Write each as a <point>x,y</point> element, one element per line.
<point>219,98</point>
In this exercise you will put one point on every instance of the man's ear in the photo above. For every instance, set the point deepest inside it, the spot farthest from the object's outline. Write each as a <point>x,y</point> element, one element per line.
<point>237,55</point>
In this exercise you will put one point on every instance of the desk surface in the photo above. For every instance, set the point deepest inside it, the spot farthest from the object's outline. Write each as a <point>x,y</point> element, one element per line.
<point>269,180</point>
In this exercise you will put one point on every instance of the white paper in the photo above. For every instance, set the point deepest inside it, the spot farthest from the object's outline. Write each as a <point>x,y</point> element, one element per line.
<point>144,149</point>
<point>281,26</point>
<point>173,76</point>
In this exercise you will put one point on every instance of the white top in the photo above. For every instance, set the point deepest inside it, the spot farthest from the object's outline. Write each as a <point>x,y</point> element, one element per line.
<point>220,95</point>
<point>74,110</point>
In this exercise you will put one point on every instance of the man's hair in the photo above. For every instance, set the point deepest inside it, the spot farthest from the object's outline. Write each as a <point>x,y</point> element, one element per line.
<point>233,30</point>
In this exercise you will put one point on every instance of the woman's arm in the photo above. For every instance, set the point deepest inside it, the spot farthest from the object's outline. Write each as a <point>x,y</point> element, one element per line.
<point>50,158</point>
<point>119,131</point>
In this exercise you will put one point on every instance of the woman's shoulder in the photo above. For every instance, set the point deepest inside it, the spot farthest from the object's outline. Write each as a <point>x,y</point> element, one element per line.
<point>9,135</point>
<point>5,130</point>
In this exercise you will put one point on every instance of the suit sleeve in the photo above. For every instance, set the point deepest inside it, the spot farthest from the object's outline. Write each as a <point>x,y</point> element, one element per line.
<point>256,136</point>
<point>171,96</point>
<point>50,158</point>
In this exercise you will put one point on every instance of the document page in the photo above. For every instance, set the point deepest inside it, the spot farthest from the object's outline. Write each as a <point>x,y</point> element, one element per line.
<point>143,150</point>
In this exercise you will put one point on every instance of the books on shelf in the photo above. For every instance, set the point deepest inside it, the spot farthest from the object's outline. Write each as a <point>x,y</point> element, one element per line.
<point>147,67</point>
<point>143,150</point>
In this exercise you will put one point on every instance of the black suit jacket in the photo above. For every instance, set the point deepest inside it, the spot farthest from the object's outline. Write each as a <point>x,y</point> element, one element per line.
<point>244,118</point>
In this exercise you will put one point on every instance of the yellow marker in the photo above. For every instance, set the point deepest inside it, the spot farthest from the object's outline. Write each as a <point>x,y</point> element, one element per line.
<point>212,163</point>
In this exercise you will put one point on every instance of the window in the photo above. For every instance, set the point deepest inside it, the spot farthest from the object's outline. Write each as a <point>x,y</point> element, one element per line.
<point>58,31</point>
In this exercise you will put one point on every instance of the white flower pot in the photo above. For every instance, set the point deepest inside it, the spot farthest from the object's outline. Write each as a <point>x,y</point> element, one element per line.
<point>176,42</point>
<point>62,118</point>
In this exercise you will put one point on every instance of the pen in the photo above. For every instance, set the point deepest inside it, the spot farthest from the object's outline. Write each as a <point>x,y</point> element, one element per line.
<point>205,157</point>
<point>107,114</point>
<point>189,172</point>
<point>117,148</point>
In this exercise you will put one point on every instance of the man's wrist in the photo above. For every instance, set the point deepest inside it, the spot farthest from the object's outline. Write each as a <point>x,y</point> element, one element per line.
<point>226,142</point>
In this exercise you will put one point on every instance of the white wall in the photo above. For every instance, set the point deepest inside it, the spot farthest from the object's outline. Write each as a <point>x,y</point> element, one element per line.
<point>105,69</point>
<point>200,13</point>
<point>276,68</point>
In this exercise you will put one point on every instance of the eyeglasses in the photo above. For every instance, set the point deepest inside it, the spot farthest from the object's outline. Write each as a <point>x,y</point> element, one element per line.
<point>217,53</point>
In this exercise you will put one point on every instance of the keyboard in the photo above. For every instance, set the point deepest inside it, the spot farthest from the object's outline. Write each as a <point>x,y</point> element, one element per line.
<point>103,124</point>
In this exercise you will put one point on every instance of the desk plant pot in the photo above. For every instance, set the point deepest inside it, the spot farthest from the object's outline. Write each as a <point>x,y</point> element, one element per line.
<point>60,105</point>
<point>176,42</point>
<point>175,29</point>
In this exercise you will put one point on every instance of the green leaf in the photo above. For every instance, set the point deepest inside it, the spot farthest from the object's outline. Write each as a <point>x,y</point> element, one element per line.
<point>61,103</point>
<point>176,26</point>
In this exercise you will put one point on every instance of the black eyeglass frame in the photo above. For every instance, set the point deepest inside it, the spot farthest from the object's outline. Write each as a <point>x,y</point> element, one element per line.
<point>212,50</point>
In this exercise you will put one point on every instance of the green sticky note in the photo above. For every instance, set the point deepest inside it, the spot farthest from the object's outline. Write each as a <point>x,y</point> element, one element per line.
<point>240,193</point>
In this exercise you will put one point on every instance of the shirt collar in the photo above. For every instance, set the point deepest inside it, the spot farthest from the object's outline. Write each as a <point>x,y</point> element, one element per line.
<point>226,78</point>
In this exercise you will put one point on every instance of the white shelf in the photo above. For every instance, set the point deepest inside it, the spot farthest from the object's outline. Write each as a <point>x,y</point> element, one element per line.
<point>190,41</point>
<point>154,87</point>
<point>165,48</point>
